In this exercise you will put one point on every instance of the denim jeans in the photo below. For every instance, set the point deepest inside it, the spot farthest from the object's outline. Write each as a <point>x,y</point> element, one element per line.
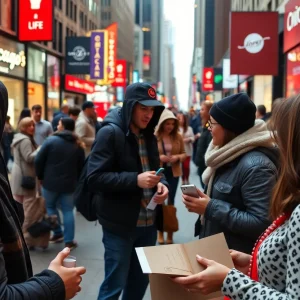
<point>122,268</point>
<point>66,202</point>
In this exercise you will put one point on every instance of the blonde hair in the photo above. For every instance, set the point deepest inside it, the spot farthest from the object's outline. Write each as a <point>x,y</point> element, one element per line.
<point>24,124</point>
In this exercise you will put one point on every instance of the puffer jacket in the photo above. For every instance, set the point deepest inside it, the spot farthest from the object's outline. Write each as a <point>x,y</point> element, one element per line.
<point>239,205</point>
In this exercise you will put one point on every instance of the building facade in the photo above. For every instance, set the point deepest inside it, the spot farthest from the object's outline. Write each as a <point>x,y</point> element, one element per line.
<point>123,13</point>
<point>35,76</point>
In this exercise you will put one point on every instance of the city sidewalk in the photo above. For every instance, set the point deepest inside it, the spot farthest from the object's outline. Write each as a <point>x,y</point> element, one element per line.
<point>90,250</point>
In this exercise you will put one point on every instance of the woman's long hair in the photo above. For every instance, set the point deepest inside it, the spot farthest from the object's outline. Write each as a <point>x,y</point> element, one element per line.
<point>23,125</point>
<point>286,131</point>
<point>175,132</point>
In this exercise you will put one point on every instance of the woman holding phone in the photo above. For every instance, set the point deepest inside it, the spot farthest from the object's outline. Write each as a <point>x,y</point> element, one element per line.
<point>241,173</point>
<point>172,154</point>
<point>272,271</point>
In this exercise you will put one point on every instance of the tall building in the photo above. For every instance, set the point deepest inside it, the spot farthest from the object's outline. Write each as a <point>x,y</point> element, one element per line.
<point>123,13</point>
<point>36,76</point>
<point>149,16</point>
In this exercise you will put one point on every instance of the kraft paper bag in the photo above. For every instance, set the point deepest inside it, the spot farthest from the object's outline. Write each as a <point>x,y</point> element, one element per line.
<point>180,260</point>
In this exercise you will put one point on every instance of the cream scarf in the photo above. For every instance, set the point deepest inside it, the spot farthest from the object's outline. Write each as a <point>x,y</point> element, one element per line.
<point>215,157</point>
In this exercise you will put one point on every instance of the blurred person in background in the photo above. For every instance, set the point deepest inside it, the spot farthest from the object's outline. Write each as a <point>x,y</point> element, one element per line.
<point>240,175</point>
<point>25,113</point>
<point>172,154</point>
<point>188,139</point>
<point>7,138</point>
<point>43,128</point>
<point>195,123</point>
<point>58,165</point>
<point>85,126</point>
<point>74,112</point>
<point>204,139</point>
<point>64,112</point>
<point>261,112</point>
<point>24,151</point>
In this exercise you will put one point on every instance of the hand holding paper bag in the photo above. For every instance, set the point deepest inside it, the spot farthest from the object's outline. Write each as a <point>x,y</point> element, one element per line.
<point>161,262</point>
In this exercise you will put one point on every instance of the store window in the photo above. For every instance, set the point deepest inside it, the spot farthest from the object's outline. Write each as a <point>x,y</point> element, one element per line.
<point>36,95</point>
<point>36,65</point>
<point>12,58</point>
<point>53,75</point>
<point>293,72</point>
<point>15,90</point>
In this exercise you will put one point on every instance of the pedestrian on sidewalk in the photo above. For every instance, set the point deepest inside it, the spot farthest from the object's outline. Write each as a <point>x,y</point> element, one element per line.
<point>121,175</point>
<point>204,139</point>
<point>172,154</point>
<point>241,173</point>
<point>188,139</point>
<point>16,277</point>
<point>85,127</point>
<point>272,271</point>
<point>58,165</point>
<point>24,150</point>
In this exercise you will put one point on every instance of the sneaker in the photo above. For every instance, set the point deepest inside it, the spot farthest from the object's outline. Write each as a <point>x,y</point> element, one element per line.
<point>71,245</point>
<point>56,239</point>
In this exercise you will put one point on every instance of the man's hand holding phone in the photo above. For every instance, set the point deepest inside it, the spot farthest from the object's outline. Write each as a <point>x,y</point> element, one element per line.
<point>148,180</point>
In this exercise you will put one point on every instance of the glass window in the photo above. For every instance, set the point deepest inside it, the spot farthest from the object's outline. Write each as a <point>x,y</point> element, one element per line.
<point>15,90</point>
<point>53,73</point>
<point>16,62</point>
<point>36,65</point>
<point>75,13</point>
<point>67,7</point>
<point>60,37</point>
<point>36,95</point>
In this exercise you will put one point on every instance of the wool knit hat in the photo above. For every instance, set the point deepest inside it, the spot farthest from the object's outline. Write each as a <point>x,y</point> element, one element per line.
<point>235,113</point>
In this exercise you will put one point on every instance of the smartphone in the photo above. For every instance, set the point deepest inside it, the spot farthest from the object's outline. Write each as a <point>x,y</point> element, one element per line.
<point>190,190</point>
<point>159,171</point>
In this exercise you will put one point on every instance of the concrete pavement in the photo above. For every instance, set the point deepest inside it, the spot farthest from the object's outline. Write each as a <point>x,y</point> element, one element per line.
<point>90,251</point>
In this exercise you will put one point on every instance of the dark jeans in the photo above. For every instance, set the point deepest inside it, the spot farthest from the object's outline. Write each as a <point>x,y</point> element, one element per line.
<point>173,184</point>
<point>122,268</point>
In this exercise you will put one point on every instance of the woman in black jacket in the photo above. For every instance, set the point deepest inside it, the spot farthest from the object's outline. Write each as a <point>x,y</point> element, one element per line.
<point>58,165</point>
<point>241,172</point>
<point>204,138</point>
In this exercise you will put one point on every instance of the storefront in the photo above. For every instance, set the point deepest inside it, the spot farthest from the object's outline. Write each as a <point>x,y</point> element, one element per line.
<point>76,90</point>
<point>292,47</point>
<point>12,74</point>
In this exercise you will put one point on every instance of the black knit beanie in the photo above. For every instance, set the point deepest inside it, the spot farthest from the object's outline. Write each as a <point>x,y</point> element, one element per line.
<point>235,113</point>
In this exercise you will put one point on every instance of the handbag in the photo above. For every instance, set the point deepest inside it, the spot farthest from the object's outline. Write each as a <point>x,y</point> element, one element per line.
<point>170,221</point>
<point>27,182</point>
<point>46,225</point>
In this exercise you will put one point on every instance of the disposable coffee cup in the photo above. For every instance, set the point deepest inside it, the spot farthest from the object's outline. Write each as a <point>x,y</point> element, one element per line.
<point>69,262</point>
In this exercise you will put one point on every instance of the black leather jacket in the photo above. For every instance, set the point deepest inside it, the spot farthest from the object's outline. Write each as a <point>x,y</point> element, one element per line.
<point>240,197</point>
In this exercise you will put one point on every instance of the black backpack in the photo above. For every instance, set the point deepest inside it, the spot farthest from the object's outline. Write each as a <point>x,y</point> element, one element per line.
<point>83,199</point>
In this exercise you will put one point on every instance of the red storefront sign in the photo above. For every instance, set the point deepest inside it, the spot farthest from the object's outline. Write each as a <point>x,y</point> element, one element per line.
<point>121,73</point>
<point>208,80</point>
<point>102,108</point>
<point>35,20</point>
<point>293,72</point>
<point>291,25</point>
<point>254,43</point>
<point>77,85</point>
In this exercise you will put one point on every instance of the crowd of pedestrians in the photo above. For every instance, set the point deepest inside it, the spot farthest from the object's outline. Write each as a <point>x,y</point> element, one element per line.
<point>248,167</point>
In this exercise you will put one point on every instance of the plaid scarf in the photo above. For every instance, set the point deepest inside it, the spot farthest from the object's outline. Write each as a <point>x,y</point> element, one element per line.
<point>14,249</point>
<point>146,217</point>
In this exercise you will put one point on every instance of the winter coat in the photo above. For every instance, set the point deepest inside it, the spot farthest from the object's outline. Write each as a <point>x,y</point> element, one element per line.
<point>59,162</point>
<point>86,131</point>
<point>113,168</point>
<point>24,153</point>
<point>177,144</point>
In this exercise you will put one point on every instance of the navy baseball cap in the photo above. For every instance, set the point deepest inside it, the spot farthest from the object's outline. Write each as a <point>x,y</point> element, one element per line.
<point>88,104</point>
<point>144,93</point>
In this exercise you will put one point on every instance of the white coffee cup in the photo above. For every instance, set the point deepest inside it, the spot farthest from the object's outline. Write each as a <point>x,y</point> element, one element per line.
<point>69,262</point>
